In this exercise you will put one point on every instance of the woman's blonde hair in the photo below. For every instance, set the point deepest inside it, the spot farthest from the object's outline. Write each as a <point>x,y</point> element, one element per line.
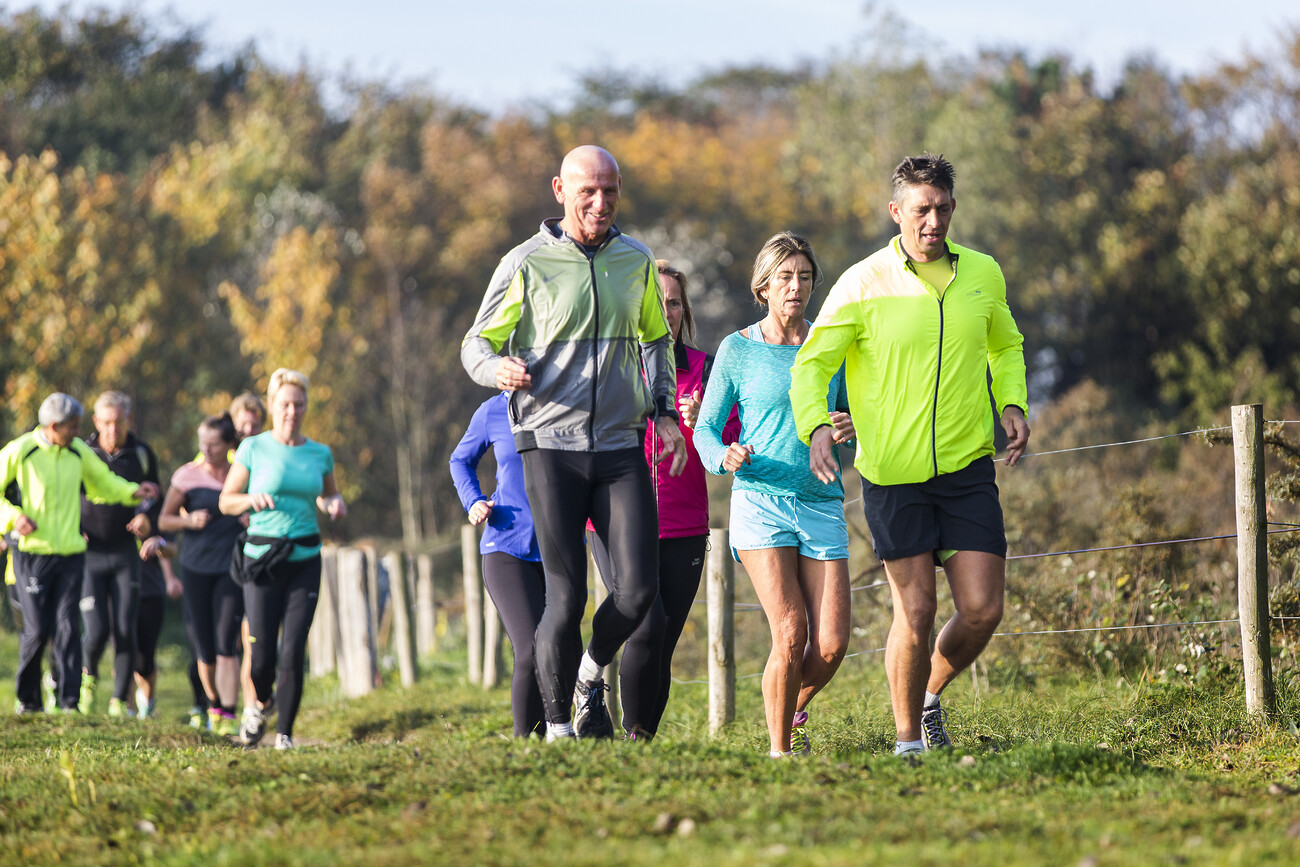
<point>778,248</point>
<point>284,376</point>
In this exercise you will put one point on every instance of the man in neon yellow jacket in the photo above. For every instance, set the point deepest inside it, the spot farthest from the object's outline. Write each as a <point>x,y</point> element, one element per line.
<point>920,326</point>
<point>50,466</point>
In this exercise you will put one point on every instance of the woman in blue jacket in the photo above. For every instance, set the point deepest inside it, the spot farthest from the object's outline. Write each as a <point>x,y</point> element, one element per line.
<point>512,562</point>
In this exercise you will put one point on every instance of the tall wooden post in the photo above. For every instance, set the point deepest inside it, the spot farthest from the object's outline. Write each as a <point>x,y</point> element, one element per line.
<point>1252,557</point>
<point>323,639</point>
<point>426,607</point>
<point>721,589</point>
<point>492,662</point>
<point>472,581</point>
<point>403,637</point>
<point>356,645</point>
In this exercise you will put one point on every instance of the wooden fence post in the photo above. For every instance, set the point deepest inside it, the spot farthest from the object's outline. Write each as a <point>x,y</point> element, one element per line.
<point>403,640</point>
<point>323,639</point>
<point>356,646</point>
<point>614,700</point>
<point>1252,557</point>
<point>472,581</point>
<point>492,662</point>
<point>722,624</point>
<point>426,607</point>
<point>374,607</point>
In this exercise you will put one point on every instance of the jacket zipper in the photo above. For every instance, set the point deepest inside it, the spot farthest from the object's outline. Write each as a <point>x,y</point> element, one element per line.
<point>934,411</point>
<point>595,354</point>
<point>938,371</point>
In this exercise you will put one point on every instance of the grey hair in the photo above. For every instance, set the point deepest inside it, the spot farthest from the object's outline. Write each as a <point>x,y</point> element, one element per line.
<point>113,400</point>
<point>58,408</point>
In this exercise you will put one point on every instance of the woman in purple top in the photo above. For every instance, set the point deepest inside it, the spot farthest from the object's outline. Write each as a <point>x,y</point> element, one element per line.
<point>512,562</point>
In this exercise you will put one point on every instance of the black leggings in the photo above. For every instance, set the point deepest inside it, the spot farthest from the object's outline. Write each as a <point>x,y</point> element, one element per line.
<point>110,602</point>
<point>645,673</point>
<point>148,627</point>
<point>48,587</point>
<point>518,589</point>
<point>613,490</point>
<point>288,599</point>
<point>216,608</point>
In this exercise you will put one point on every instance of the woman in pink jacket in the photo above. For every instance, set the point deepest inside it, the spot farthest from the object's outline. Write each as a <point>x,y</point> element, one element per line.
<point>645,674</point>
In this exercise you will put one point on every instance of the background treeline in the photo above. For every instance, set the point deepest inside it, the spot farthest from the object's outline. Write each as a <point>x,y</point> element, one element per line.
<point>177,224</point>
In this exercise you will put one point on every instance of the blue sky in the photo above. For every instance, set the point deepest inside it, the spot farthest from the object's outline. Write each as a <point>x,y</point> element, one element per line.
<point>504,53</point>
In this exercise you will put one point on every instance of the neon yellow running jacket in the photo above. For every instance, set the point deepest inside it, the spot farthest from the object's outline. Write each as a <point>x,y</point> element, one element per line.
<point>50,479</point>
<point>917,359</point>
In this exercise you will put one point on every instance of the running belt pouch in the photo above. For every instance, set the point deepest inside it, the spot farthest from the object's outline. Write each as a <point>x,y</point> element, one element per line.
<point>257,570</point>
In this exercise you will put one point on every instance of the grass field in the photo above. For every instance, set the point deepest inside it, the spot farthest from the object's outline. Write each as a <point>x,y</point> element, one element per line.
<point>1071,771</point>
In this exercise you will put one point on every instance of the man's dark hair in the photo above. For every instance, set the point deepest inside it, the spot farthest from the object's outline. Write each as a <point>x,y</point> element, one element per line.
<point>928,169</point>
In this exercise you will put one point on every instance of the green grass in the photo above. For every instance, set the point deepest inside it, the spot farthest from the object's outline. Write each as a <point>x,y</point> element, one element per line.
<point>1066,771</point>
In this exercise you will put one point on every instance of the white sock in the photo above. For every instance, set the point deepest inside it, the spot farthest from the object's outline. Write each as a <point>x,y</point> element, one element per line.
<point>931,700</point>
<point>588,670</point>
<point>555,731</point>
<point>900,746</point>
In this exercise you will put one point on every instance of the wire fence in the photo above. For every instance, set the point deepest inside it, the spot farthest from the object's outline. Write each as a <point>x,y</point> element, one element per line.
<point>1284,527</point>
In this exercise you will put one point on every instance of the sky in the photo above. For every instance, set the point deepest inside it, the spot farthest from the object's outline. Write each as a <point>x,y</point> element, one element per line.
<point>502,54</point>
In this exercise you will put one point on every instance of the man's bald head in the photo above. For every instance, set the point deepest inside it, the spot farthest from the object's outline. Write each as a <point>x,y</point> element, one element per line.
<point>588,186</point>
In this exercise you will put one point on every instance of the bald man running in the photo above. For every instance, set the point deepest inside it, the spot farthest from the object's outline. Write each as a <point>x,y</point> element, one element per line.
<point>577,310</point>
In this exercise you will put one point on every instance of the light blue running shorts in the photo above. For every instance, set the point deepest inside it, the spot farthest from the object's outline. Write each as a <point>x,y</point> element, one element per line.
<point>816,527</point>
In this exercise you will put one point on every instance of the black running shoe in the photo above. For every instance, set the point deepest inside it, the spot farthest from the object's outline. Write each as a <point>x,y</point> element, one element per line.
<point>590,716</point>
<point>932,730</point>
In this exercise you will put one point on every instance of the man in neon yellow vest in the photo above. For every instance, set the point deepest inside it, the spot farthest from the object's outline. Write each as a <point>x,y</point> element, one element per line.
<point>920,326</point>
<point>51,466</point>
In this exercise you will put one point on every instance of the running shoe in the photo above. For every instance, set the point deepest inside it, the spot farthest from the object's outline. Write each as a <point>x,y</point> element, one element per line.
<point>86,703</point>
<point>638,734</point>
<point>932,728</point>
<point>49,691</point>
<point>118,708</point>
<point>284,742</point>
<point>252,727</point>
<point>591,717</point>
<point>196,717</point>
<point>222,722</point>
<point>800,744</point>
<point>144,707</point>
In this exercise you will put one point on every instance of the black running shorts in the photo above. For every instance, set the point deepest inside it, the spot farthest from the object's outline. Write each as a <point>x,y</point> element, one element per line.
<point>958,511</point>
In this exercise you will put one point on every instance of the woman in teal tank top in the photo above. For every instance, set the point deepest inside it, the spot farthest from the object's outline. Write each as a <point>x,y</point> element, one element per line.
<point>283,478</point>
<point>787,526</point>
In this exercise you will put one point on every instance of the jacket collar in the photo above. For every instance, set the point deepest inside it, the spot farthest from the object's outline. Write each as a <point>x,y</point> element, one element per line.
<point>551,228</point>
<point>897,246</point>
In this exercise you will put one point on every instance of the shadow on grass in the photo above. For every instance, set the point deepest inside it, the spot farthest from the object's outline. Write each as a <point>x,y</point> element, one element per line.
<point>396,725</point>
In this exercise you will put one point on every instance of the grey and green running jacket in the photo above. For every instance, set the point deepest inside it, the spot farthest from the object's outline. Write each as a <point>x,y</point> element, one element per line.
<point>583,324</point>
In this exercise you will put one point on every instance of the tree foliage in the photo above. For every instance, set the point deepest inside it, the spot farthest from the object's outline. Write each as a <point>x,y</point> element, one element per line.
<point>178,227</point>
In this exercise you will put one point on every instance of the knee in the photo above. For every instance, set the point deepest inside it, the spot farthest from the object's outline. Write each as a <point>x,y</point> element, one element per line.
<point>985,616</point>
<point>789,637</point>
<point>918,615</point>
<point>833,648</point>
<point>636,601</point>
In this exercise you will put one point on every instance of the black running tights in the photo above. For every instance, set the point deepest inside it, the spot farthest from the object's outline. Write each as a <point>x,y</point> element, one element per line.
<point>645,672</point>
<point>518,590</point>
<point>110,604</point>
<point>613,490</point>
<point>287,600</point>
